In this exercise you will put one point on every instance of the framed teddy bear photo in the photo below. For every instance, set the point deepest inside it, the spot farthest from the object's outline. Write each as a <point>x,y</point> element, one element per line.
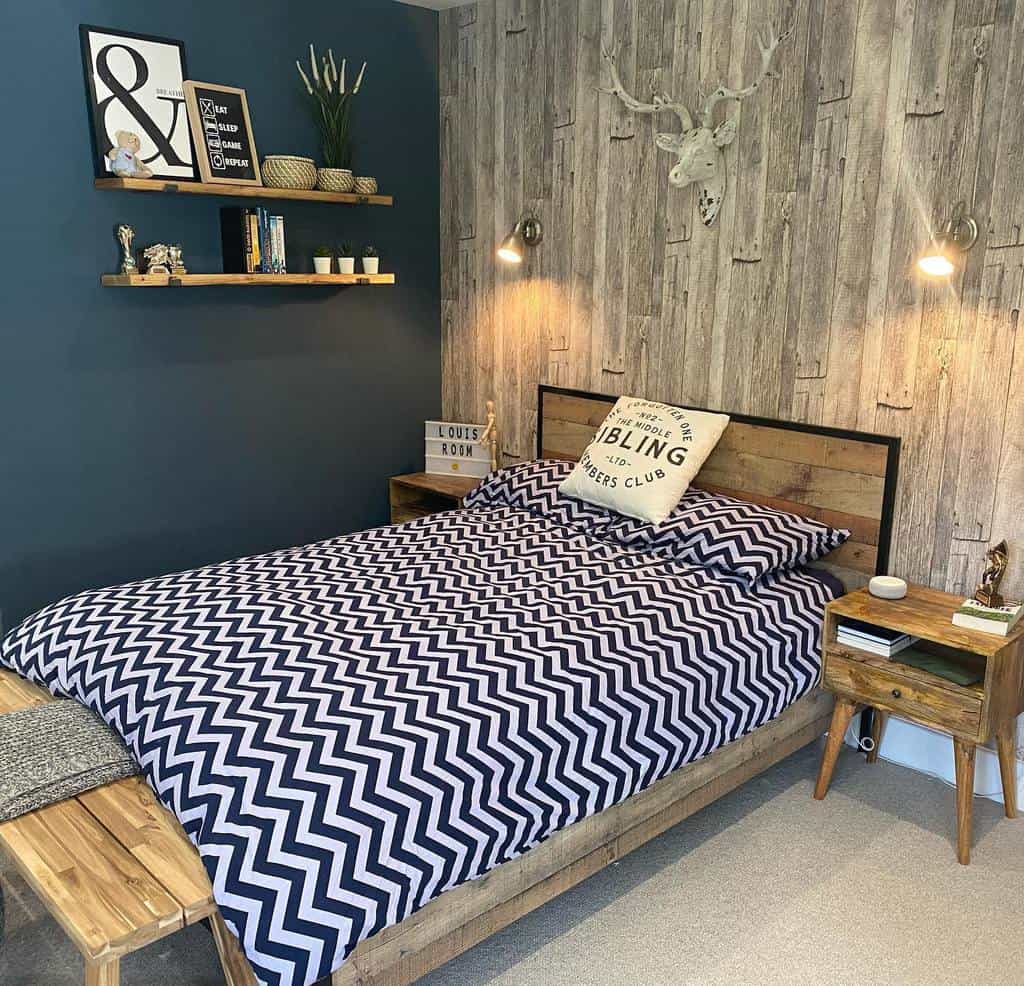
<point>136,99</point>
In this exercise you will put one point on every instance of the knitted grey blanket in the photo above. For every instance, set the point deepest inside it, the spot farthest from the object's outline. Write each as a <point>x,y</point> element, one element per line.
<point>54,751</point>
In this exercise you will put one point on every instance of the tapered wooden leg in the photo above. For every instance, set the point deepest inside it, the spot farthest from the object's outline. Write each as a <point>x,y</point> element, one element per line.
<point>1006,745</point>
<point>877,729</point>
<point>963,759</point>
<point>237,971</point>
<point>103,974</point>
<point>841,717</point>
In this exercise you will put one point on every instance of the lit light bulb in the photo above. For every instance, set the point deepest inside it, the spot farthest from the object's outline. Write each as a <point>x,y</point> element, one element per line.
<point>527,232</point>
<point>949,244</point>
<point>936,265</point>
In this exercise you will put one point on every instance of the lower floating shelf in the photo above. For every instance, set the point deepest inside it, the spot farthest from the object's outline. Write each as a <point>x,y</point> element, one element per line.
<point>247,280</point>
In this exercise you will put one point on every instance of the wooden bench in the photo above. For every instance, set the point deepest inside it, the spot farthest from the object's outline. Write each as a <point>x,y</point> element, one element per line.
<point>113,867</point>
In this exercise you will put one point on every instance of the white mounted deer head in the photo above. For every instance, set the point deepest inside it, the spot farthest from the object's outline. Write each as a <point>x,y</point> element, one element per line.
<point>699,149</point>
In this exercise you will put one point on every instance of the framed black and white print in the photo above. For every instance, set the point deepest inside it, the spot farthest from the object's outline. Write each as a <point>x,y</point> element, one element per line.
<point>134,86</point>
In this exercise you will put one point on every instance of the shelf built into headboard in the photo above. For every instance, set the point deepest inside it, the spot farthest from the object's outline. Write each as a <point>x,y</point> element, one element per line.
<point>842,478</point>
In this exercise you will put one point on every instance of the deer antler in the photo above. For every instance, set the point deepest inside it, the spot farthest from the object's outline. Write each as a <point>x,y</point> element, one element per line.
<point>662,102</point>
<point>767,42</point>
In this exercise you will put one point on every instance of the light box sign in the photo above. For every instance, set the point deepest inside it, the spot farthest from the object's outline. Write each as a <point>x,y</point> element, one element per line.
<point>453,448</point>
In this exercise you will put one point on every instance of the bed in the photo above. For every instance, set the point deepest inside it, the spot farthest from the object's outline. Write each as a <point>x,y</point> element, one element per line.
<point>388,745</point>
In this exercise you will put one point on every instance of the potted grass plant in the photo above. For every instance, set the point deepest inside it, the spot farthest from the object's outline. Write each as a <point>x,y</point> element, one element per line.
<point>331,102</point>
<point>371,260</point>
<point>322,260</point>
<point>346,259</point>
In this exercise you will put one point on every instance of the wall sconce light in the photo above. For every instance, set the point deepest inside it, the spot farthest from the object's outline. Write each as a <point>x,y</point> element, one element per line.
<point>527,232</point>
<point>949,243</point>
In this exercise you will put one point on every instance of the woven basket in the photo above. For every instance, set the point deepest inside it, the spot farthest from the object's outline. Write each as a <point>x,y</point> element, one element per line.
<point>286,171</point>
<point>334,180</point>
<point>365,186</point>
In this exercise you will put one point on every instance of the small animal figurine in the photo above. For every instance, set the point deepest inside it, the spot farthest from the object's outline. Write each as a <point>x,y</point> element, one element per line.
<point>489,439</point>
<point>124,156</point>
<point>987,592</point>
<point>157,258</point>
<point>126,236</point>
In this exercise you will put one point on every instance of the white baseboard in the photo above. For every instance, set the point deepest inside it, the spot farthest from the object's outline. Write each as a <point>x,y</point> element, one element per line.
<point>931,752</point>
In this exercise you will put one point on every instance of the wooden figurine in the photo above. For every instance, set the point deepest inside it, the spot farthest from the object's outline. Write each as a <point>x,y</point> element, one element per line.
<point>489,438</point>
<point>987,592</point>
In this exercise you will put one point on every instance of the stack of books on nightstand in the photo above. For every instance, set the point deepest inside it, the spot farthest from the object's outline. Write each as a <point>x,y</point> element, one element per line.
<point>991,619</point>
<point>877,640</point>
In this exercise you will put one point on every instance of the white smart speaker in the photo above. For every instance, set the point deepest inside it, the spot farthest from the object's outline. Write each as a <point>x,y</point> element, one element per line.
<point>887,587</point>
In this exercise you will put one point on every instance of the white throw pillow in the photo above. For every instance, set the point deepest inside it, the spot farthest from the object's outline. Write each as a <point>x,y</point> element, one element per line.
<point>643,458</point>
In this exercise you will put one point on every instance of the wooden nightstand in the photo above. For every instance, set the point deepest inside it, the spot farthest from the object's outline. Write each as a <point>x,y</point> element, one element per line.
<point>421,493</point>
<point>971,714</point>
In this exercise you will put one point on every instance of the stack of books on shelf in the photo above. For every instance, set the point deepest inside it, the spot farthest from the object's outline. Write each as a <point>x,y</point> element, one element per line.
<point>252,241</point>
<point>991,619</point>
<point>877,640</point>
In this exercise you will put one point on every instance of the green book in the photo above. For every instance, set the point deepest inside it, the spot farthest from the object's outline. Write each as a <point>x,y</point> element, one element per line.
<point>940,666</point>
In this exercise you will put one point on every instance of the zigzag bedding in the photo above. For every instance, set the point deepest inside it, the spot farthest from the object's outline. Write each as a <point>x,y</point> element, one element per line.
<point>348,729</point>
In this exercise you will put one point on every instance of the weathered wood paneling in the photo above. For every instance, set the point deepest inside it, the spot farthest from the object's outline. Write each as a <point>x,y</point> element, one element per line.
<point>802,300</point>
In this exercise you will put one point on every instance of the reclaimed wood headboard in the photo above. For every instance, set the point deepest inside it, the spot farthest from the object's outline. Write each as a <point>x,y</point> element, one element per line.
<point>842,478</point>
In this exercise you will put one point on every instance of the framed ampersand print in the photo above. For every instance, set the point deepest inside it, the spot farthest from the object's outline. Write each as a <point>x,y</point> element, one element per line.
<point>135,90</point>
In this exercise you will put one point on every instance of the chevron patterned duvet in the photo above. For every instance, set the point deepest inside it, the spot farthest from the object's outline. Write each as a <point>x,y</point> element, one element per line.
<point>348,729</point>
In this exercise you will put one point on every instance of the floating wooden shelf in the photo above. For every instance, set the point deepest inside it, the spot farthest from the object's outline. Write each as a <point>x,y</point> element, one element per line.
<point>247,280</point>
<point>237,191</point>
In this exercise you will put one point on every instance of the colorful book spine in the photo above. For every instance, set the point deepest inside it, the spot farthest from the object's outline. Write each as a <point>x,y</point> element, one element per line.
<point>274,244</point>
<point>282,263</point>
<point>266,250</point>
<point>254,241</point>
<point>250,254</point>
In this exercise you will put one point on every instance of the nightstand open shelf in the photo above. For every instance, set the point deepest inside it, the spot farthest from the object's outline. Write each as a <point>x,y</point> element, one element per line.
<point>421,494</point>
<point>971,713</point>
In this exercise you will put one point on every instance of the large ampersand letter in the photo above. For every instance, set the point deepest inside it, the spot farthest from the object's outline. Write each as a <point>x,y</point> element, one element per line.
<point>126,99</point>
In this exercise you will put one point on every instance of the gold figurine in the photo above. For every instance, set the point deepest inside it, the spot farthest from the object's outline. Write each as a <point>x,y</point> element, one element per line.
<point>987,592</point>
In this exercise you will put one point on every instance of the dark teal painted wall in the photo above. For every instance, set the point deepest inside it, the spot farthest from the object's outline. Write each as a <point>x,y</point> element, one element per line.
<point>143,432</point>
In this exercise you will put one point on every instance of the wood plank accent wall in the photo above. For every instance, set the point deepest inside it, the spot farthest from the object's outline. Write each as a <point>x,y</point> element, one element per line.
<point>801,302</point>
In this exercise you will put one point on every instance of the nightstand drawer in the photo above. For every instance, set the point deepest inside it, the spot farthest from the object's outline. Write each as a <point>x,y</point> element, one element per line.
<point>954,709</point>
<point>406,512</point>
<point>421,502</point>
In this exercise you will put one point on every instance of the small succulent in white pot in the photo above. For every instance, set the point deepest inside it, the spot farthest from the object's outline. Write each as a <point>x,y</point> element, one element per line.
<point>371,260</point>
<point>322,260</point>
<point>346,259</point>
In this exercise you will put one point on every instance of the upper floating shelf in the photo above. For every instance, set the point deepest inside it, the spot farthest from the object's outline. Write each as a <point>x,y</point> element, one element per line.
<point>238,191</point>
<point>245,280</point>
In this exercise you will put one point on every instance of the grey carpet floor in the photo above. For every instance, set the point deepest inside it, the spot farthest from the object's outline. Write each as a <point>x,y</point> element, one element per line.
<point>764,887</point>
